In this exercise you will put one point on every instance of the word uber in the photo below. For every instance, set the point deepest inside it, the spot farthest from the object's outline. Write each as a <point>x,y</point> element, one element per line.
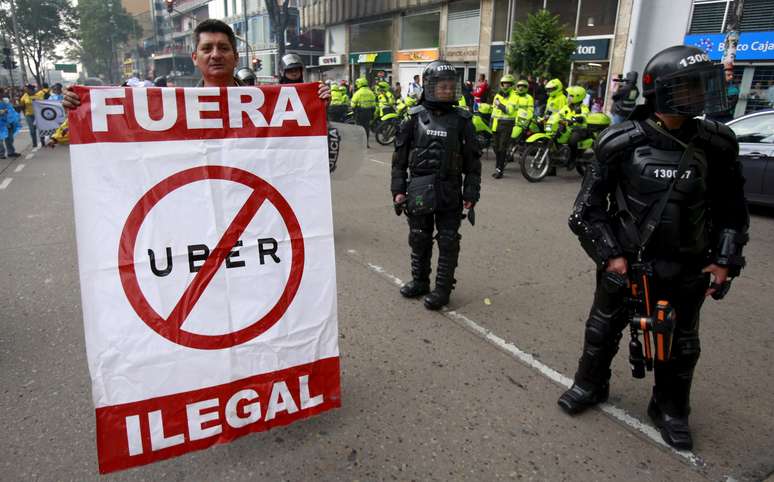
<point>198,254</point>
<point>158,109</point>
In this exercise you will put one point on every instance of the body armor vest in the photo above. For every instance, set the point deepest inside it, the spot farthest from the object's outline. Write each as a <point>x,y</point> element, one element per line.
<point>683,229</point>
<point>436,147</point>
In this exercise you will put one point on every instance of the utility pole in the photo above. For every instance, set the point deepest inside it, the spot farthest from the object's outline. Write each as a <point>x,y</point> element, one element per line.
<point>22,59</point>
<point>732,37</point>
<point>244,16</point>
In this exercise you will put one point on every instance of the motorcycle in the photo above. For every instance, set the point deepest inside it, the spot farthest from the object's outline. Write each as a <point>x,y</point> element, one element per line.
<point>389,122</point>
<point>550,148</point>
<point>524,127</point>
<point>482,121</point>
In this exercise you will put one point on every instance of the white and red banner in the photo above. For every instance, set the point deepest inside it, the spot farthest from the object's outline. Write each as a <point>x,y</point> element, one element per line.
<point>205,248</point>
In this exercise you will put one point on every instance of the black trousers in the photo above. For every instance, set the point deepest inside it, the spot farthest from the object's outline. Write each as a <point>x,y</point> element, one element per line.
<point>502,141</point>
<point>421,229</point>
<point>684,289</point>
<point>337,113</point>
<point>363,117</point>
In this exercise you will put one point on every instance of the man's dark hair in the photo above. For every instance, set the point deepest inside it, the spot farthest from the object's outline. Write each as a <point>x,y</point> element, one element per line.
<point>212,25</point>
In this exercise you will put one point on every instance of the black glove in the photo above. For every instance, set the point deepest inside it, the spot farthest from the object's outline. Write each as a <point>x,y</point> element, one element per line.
<point>399,207</point>
<point>721,289</point>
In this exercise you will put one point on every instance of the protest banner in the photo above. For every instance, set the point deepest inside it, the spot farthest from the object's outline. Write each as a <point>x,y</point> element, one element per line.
<point>207,266</point>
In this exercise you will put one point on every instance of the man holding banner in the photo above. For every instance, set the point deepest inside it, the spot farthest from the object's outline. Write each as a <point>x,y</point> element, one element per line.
<point>205,245</point>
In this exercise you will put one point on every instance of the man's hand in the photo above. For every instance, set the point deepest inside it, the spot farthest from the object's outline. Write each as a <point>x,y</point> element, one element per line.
<point>617,265</point>
<point>71,99</point>
<point>468,204</point>
<point>719,276</point>
<point>324,92</point>
<point>399,199</point>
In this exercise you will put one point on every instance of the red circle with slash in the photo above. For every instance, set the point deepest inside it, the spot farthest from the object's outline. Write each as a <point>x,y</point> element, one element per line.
<point>171,327</point>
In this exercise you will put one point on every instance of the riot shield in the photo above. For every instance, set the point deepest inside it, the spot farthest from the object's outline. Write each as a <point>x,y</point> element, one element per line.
<point>346,149</point>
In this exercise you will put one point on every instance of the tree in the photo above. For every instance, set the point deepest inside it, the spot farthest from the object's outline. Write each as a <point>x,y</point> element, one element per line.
<point>541,47</point>
<point>278,17</point>
<point>105,26</point>
<point>42,25</point>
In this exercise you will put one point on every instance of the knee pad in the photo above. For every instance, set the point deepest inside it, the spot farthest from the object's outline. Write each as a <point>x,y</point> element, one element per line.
<point>420,239</point>
<point>448,240</point>
<point>601,332</point>
<point>686,351</point>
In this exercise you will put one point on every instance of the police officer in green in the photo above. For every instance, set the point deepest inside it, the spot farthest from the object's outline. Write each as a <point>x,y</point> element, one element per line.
<point>337,110</point>
<point>363,104</point>
<point>504,115</point>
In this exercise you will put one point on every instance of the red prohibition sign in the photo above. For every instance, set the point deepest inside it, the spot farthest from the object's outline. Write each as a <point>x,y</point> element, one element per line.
<point>171,327</point>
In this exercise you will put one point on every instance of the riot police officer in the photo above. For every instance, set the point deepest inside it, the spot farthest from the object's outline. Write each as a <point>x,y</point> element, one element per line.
<point>436,171</point>
<point>291,69</point>
<point>688,234</point>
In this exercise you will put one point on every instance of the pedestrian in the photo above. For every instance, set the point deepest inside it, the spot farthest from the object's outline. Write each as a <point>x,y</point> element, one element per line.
<point>625,97</point>
<point>664,198</point>
<point>31,95</point>
<point>541,97</point>
<point>363,104</point>
<point>504,112</point>
<point>9,126</point>
<point>467,94</point>
<point>436,173</point>
<point>414,88</point>
<point>56,92</point>
<point>397,91</point>
<point>480,92</point>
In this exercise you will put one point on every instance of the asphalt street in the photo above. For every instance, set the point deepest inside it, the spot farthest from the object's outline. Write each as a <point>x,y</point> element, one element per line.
<point>465,394</point>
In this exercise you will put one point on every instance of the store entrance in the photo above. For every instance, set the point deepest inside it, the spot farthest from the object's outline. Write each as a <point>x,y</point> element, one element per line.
<point>593,77</point>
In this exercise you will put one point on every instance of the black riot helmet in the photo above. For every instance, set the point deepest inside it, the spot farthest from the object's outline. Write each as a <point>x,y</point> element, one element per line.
<point>439,83</point>
<point>246,76</point>
<point>681,80</point>
<point>288,62</point>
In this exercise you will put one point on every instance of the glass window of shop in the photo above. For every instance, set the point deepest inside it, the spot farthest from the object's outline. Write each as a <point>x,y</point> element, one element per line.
<point>761,93</point>
<point>371,37</point>
<point>334,41</point>
<point>597,17</point>
<point>420,31</point>
<point>500,21</point>
<point>464,23</point>
<point>567,11</point>
<point>522,8</point>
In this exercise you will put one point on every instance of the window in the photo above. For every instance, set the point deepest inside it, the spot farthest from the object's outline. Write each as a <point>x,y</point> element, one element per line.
<point>525,7</point>
<point>757,16</point>
<point>708,17</point>
<point>567,11</point>
<point>759,128</point>
<point>761,95</point>
<point>597,17</point>
<point>335,39</point>
<point>500,23</point>
<point>420,31</point>
<point>371,37</point>
<point>464,23</point>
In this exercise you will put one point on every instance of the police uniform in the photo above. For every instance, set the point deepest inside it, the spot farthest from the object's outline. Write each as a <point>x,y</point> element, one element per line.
<point>703,222</point>
<point>437,145</point>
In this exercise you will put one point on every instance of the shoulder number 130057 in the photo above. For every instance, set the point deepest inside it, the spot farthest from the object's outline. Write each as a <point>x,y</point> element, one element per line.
<point>693,59</point>
<point>670,174</point>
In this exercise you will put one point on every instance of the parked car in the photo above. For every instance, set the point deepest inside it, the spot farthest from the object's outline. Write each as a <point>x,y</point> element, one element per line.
<point>755,133</point>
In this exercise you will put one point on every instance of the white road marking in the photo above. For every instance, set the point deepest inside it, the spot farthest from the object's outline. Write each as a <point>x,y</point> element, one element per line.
<point>19,168</point>
<point>5,182</point>
<point>617,413</point>
<point>29,156</point>
<point>378,162</point>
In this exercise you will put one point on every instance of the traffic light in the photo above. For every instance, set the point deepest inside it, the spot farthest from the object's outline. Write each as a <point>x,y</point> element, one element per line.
<point>170,5</point>
<point>256,64</point>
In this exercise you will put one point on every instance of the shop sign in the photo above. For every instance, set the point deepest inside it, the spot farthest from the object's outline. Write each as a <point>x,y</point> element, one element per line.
<point>427,55</point>
<point>371,58</point>
<point>752,45</point>
<point>462,54</point>
<point>331,60</point>
<point>497,53</point>
<point>594,49</point>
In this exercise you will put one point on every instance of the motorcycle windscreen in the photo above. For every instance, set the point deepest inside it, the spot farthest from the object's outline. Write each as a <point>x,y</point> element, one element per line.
<point>346,150</point>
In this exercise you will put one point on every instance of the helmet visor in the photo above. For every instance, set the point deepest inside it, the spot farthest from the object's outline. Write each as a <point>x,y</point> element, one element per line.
<point>700,91</point>
<point>442,88</point>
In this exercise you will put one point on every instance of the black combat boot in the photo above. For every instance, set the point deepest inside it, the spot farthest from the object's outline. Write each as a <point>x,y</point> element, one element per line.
<point>448,252</point>
<point>577,399</point>
<point>674,429</point>
<point>421,253</point>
